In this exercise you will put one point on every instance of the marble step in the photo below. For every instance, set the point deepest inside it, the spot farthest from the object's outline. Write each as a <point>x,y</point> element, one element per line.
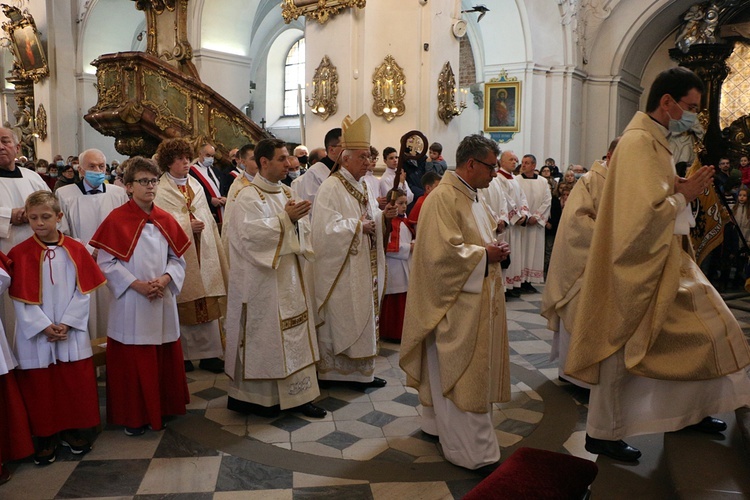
<point>703,466</point>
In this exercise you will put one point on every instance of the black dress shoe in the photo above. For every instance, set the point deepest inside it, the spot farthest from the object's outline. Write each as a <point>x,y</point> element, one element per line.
<point>526,287</point>
<point>251,408</point>
<point>513,293</point>
<point>618,450</point>
<point>189,366</point>
<point>213,365</point>
<point>376,383</point>
<point>709,425</point>
<point>310,410</point>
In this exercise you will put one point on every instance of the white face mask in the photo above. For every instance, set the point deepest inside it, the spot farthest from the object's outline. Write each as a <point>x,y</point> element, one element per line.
<point>208,161</point>
<point>294,174</point>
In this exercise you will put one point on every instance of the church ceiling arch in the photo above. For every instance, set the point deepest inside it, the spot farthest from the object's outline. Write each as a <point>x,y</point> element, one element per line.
<point>107,26</point>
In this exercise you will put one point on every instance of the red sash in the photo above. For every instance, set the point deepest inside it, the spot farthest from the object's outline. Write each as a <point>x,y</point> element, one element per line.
<point>393,242</point>
<point>119,232</point>
<point>504,173</point>
<point>28,258</point>
<point>5,263</point>
<point>211,191</point>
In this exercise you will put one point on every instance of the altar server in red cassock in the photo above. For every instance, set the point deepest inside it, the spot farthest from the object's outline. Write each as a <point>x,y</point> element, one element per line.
<point>15,436</point>
<point>53,277</point>
<point>140,252</point>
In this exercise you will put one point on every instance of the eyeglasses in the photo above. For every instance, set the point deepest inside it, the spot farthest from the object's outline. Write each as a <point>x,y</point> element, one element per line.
<point>693,108</point>
<point>488,165</point>
<point>364,158</point>
<point>146,182</point>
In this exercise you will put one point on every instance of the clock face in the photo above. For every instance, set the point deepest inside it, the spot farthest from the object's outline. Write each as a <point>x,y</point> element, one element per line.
<point>459,28</point>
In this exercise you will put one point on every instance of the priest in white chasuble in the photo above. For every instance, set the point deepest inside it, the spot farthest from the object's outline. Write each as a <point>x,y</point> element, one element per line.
<point>202,300</point>
<point>16,184</point>
<point>349,267</point>
<point>85,204</point>
<point>651,333</point>
<point>518,214</point>
<point>539,200</point>
<point>271,342</point>
<point>454,348</point>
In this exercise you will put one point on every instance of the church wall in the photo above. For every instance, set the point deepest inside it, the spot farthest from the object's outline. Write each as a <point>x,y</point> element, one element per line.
<point>228,74</point>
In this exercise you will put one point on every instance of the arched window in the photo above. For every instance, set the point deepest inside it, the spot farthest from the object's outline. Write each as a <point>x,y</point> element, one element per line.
<point>294,74</point>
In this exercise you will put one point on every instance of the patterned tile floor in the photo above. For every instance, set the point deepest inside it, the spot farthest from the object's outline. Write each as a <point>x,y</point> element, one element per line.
<point>370,445</point>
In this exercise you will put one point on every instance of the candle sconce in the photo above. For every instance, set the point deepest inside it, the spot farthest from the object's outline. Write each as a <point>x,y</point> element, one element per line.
<point>325,89</point>
<point>388,89</point>
<point>447,105</point>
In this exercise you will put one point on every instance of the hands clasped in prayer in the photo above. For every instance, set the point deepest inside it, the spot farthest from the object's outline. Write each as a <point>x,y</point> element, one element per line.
<point>696,184</point>
<point>153,289</point>
<point>498,251</point>
<point>56,332</point>
<point>297,209</point>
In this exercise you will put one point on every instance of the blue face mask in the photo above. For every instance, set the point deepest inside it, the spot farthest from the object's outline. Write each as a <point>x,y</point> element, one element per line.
<point>578,175</point>
<point>208,161</point>
<point>60,163</point>
<point>684,124</point>
<point>95,179</point>
<point>294,174</point>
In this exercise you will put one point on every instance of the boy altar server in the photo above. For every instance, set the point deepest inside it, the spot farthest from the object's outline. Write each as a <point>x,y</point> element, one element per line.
<point>140,252</point>
<point>53,277</point>
<point>271,342</point>
<point>15,435</point>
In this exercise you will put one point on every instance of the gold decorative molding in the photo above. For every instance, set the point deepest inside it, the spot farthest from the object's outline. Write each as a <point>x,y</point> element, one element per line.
<point>447,106</point>
<point>388,89</point>
<point>320,10</point>
<point>30,60</point>
<point>167,34</point>
<point>41,122</point>
<point>325,90</point>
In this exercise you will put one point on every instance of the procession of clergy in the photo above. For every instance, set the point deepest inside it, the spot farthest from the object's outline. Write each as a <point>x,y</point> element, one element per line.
<point>297,280</point>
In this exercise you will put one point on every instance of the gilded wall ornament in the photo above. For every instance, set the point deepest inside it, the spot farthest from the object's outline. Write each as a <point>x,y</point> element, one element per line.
<point>30,59</point>
<point>447,105</point>
<point>41,122</point>
<point>320,10</point>
<point>388,90</point>
<point>325,90</point>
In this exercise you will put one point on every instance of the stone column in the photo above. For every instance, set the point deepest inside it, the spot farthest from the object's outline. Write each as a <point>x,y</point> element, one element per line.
<point>709,63</point>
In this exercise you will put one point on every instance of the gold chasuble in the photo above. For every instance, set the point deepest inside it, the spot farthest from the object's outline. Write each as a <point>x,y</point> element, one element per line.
<point>469,325</point>
<point>642,291</point>
<point>203,295</point>
<point>571,250</point>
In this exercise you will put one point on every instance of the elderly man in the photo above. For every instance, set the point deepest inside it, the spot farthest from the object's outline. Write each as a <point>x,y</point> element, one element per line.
<point>85,205</point>
<point>349,268</point>
<point>293,173</point>
<point>455,344</point>
<point>307,185</point>
<point>16,184</point>
<point>651,334</point>
<point>271,342</point>
<point>209,178</point>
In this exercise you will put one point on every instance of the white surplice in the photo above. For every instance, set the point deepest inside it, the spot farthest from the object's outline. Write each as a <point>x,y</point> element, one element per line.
<point>306,185</point>
<point>133,319</point>
<point>271,342</point>
<point>386,184</point>
<point>349,274</point>
<point>539,200</point>
<point>238,183</point>
<point>398,263</point>
<point>517,207</point>
<point>7,360</point>
<point>62,303</point>
<point>82,215</point>
<point>13,194</point>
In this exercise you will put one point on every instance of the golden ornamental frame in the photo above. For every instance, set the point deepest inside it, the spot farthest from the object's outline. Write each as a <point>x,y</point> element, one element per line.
<point>30,59</point>
<point>388,89</point>
<point>320,10</point>
<point>502,106</point>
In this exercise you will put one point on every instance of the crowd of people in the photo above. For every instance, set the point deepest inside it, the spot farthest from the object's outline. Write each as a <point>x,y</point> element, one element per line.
<point>285,270</point>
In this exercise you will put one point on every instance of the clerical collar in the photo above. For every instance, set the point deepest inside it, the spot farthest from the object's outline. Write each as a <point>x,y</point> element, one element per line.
<point>350,178</point>
<point>665,130</point>
<point>260,179</point>
<point>473,190</point>
<point>534,176</point>
<point>14,174</point>
<point>504,173</point>
<point>179,181</point>
<point>249,176</point>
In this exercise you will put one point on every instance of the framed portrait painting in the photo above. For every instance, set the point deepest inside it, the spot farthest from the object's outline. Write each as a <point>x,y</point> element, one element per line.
<point>502,107</point>
<point>27,48</point>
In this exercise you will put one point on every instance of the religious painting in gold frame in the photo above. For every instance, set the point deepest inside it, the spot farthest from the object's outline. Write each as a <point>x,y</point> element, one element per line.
<point>502,107</point>
<point>320,10</point>
<point>27,48</point>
